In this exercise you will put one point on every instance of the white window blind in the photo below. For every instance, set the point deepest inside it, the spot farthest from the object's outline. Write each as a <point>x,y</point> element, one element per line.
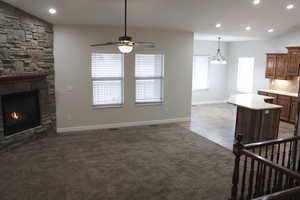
<point>245,75</point>
<point>107,78</point>
<point>200,72</point>
<point>149,74</point>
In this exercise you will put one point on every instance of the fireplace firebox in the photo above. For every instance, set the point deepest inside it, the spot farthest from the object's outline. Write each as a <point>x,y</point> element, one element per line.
<point>20,111</point>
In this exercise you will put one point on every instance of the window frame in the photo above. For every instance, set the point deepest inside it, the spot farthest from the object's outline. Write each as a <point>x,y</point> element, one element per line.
<point>162,78</point>
<point>237,75</point>
<point>122,78</point>
<point>207,84</point>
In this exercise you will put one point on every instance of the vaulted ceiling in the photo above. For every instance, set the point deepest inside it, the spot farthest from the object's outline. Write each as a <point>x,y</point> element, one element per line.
<point>198,16</point>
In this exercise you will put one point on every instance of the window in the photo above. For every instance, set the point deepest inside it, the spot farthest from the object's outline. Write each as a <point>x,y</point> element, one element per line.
<point>245,75</point>
<point>149,75</point>
<point>107,78</point>
<point>200,72</point>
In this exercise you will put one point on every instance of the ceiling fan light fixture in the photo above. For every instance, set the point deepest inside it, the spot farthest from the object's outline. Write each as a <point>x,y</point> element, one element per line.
<point>125,43</point>
<point>124,48</point>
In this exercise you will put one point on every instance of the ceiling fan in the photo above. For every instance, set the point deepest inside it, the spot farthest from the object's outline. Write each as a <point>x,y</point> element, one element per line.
<point>125,43</point>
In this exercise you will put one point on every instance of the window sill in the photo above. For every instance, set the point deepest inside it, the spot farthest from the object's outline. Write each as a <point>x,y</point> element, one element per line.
<point>150,104</point>
<point>107,106</point>
<point>199,90</point>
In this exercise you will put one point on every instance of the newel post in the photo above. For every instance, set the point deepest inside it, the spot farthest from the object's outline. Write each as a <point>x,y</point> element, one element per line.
<point>237,147</point>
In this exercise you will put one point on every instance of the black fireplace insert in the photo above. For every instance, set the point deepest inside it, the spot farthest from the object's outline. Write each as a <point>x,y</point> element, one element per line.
<point>20,111</point>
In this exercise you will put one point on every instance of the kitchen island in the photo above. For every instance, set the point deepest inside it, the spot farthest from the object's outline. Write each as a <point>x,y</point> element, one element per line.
<point>257,120</point>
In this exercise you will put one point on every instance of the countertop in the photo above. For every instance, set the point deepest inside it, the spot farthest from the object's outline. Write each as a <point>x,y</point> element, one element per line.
<point>252,101</point>
<point>280,92</point>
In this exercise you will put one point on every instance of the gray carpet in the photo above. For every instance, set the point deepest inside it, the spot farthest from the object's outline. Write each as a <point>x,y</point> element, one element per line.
<point>138,163</point>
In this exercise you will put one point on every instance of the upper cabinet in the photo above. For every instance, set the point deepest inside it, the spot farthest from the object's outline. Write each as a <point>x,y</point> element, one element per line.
<point>294,61</point>
<point>277,65</point>
<point>283,66</point>
<point>271,64</point>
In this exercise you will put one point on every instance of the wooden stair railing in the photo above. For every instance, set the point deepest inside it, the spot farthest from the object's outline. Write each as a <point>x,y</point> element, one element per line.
<point>283,195</point>
<point>266,170</point>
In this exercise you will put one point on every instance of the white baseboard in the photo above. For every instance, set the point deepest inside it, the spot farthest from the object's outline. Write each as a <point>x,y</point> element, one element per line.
<point>209,102</point>
<point>119,125</point>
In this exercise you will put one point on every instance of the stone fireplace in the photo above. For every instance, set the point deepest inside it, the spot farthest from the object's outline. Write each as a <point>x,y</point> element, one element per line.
<point>27,94</point>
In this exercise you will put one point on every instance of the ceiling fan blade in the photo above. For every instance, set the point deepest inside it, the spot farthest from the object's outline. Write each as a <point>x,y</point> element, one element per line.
<point>105,44</point>
<point>145,44</point>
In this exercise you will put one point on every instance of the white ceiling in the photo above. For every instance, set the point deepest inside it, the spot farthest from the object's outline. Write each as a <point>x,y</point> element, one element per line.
<point>191,15</point>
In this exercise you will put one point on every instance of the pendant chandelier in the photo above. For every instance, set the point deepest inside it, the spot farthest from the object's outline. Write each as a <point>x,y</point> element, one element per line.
<point>218,59</point>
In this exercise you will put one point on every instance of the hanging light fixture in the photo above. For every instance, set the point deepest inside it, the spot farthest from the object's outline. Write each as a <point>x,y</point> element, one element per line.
<point>125,43</point>
<point>218,58</point>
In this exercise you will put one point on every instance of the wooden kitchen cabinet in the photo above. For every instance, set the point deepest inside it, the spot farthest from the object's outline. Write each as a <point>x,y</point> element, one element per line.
<point>271,65</point>
<point>281,66</point>
<point>262,93</point>
<point>294,109</point>
<point>275,96</point>
<point>293,61</point>
<point>285,102</point>
<point>277,66</point>
<point>273,101</point>
<point>289,105</point>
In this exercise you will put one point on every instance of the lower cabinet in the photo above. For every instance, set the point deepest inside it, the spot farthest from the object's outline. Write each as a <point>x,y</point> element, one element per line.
<point>285,102</point>
<point>294,109</point>
<point>289,105</point>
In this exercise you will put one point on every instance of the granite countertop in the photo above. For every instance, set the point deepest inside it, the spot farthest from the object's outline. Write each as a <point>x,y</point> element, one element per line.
<point>280,92</point>
<point>252,101</point>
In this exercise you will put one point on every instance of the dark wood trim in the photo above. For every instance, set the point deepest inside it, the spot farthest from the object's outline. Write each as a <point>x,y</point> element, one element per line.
<point>269,142</point>
<point>282,195</point>
<point>23,76</point>
<point>271,164</point>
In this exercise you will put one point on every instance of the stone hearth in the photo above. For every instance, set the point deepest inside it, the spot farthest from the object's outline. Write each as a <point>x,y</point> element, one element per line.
<point>26,50</point>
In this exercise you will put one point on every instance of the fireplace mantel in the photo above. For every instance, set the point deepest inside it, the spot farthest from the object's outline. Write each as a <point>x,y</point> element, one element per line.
<point>23,76</point>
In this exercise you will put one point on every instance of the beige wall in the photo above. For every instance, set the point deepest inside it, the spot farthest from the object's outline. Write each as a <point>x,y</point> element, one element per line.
<point>73,83</point>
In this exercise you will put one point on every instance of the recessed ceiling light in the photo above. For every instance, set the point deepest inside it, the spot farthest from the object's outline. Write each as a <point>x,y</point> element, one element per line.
<point>256,2</point>
<point>52,11</point>
<point>290,6</point>
<point>271,30</point>
<point>218,25</point>
<point>248,28</point>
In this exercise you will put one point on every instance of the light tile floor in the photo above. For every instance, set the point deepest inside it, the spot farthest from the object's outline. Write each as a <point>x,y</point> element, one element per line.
<point>217,123</point>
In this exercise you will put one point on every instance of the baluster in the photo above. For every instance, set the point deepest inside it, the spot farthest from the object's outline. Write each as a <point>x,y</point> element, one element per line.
<point>258,175</point>
<point>287,181</point>
<point>290,154</point>
<point>298,157</point>
<point>264,172</point>
<point>235,179</point>
<point>276,172</point>
<point>280,181</point>
<point>283,155</point>
<point>260,150</point>
<point>250,186</point>
<point>295,150</point>
<point>270,171</point>
<point>283,164</point>
<point>244,178</point>
<point>256,191</point>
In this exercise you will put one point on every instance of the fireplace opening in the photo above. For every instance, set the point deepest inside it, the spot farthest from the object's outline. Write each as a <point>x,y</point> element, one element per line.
<point>20,111</point>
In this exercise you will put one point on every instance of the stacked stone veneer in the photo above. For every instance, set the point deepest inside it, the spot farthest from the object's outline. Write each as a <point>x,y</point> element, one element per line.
<point>26,45</point>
